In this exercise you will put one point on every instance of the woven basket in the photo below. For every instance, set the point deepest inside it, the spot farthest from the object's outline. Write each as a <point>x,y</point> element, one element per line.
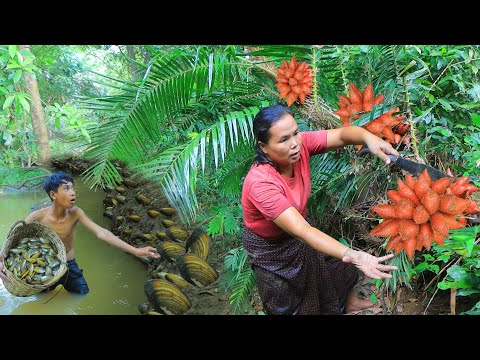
<point>33,229</point>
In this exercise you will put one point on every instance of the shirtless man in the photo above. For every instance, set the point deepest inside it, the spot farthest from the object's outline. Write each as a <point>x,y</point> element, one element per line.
<point>62,217</point>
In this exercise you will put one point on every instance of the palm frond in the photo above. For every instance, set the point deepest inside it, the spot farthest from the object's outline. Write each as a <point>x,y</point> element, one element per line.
<point>332,74</point>
<point>277,53</point>
<point>238,96</point>
<point>175,170</point>
<point>333,176</point>
<point>230,173</point>
<point>241,279</point>
<point>326,168</point>
<point>401,275</point>
<point>385,64</point>
<point>109,141</point>
<point>140,112</point>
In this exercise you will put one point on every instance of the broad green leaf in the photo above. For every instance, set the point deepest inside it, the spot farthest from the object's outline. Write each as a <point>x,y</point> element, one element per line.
<point>473,311</point>
<point>344,241</point>
<point>444,257</point>
<point>428,257</point>
<point>441,130</point>
<point>458,273</point>
<point>17,76</point>
<point>468,292</point>
<point>435,268</point>
<point>12,50</point>
<point>20,58</point>
<point>7,136</point>
<point>463,281</point>
<point>445,104</point>
<point>13,65</point>
<point>24,103</point>
<point>466,237</point>
<point>426,140</point>
<point>8,102</point>
<point>4,57</point>
<point>420,267</point>
<point>475,119</point>
<point>26,54</point>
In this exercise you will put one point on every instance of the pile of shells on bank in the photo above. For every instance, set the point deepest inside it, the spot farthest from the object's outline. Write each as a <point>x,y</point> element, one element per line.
<point>143,217</point>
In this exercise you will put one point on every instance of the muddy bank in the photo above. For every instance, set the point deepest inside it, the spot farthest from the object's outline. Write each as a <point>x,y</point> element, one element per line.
<point>141,216</point>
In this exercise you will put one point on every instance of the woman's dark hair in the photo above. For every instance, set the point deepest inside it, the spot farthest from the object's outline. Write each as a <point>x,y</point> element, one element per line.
<point>54,181</point>
<point>261,128</point>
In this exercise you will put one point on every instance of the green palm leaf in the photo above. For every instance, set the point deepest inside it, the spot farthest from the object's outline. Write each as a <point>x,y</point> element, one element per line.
<point>385,60</point>
<point>141,114</point>
<point>331,174</point>
<point>175,170</point>
<point>230,173</point>
<point>241,279</point>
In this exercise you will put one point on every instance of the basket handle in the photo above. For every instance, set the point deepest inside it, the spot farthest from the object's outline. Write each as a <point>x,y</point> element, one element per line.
<point>14,225</point>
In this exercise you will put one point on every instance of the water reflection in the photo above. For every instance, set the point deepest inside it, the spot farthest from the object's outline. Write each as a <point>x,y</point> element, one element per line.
<point>114,277</point>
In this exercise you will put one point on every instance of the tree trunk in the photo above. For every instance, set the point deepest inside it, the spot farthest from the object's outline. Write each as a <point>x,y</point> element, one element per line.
<point>37,116</point>
<point>133,67</point>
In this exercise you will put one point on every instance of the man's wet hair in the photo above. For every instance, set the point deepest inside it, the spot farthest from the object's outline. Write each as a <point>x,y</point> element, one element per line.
<point>53,182</point>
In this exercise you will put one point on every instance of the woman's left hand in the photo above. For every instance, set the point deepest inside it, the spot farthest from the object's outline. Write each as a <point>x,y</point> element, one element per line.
<point>370,265</point>
<point>380,147</point>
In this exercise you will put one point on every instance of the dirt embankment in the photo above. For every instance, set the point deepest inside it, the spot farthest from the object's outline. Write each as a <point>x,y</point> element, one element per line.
<point>141,216</point>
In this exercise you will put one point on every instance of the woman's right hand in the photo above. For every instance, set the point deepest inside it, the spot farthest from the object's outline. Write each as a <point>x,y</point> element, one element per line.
<point>2,275</point>
<point>370,265</point>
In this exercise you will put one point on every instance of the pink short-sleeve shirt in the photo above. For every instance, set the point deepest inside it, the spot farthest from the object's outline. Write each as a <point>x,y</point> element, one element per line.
<point>266,194</point>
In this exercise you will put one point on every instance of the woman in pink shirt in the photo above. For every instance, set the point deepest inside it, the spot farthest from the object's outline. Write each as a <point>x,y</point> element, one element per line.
<point>299,269</point>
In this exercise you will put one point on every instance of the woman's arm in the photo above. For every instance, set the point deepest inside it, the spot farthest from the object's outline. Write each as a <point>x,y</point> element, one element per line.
<point>292,222</point>
<point>355,135</point>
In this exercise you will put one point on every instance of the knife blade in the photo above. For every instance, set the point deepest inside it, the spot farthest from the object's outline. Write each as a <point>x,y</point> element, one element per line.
<point>412,167</point>
<point>415,168</point>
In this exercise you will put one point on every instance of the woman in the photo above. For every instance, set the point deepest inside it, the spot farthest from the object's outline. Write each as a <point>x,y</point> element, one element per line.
<point>299,269</point>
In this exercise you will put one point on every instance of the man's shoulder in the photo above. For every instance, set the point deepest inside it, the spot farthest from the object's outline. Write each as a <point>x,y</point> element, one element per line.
<point>75,211</point>
<point>39,213</point>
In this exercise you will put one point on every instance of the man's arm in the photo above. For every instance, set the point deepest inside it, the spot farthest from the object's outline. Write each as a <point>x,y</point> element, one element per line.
<point>111,239</point>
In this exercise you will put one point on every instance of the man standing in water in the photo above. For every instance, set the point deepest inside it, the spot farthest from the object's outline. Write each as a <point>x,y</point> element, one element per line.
<point>62,217</point>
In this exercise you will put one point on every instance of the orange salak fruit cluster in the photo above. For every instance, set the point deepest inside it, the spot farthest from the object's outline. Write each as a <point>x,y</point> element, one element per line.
<point>294,80</point>
<point>422,211</point>
<point>386,126</point>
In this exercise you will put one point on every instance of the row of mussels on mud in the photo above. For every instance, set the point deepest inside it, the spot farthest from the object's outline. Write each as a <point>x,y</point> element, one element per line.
<point>142,216</point>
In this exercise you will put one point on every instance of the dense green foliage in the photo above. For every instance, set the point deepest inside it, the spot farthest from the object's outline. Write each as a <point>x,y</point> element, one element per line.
<point>182,117</point>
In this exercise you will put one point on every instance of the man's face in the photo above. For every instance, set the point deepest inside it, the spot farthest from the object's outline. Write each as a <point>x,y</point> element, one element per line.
<point>65,195</point>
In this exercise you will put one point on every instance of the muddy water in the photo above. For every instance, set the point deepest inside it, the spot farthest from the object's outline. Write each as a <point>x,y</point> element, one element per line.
<point>114,277</point>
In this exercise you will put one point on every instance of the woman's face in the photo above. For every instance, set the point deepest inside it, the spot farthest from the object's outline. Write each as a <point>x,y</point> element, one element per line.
<point>285,143</point>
